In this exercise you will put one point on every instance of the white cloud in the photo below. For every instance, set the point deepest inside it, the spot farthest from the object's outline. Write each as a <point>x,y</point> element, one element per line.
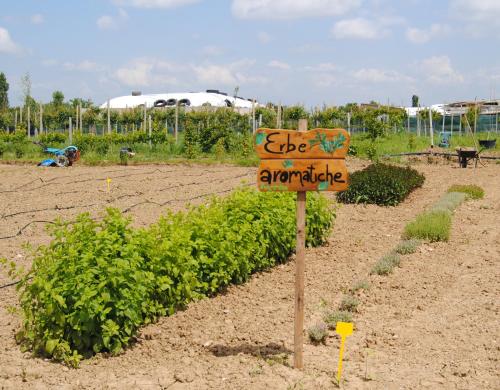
<point>373,75</point>
<point>477,11</point>
<point>211,50</point>
<point>279,65</point>
<point>37,19</point>
<point>322,67</point>
<point>416,35</point>
<point>155,3</point>
<point>84,66</point>
<point>291,9</point>
<point>264,37</point>
<point>359,28</point>
<point>477,18</point>
<point>7,45</point>
<point>145,72</point>
<point>107,22</point>
<point>438,69</point>
<point>232,74</point>
<point>49,62</point>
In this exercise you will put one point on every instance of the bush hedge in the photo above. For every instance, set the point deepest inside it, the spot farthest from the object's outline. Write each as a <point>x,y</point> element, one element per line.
<point>97,282</point>
<point>381,184</point>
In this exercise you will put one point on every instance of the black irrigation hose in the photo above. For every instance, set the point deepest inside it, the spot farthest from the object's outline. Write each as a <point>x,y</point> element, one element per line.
<point>10,284</point>
<point>47,209</point>
<point>49,181</point>
<point>126,210</point>
<point>120,197</point>
<point>23,228</point>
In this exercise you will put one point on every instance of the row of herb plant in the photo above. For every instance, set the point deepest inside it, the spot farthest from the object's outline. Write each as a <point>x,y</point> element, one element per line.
<point>98,282</point>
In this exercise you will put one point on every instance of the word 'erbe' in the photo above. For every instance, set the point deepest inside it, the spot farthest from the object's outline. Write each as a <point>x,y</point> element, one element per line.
<point>282,148</point>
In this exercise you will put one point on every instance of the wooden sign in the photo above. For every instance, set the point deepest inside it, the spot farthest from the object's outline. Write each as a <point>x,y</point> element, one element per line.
<point>302,161</point>
<point>290,144</point>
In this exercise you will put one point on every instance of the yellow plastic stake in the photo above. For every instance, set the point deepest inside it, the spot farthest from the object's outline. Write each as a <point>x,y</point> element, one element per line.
<point>343,329</point>
<point>108,180</point>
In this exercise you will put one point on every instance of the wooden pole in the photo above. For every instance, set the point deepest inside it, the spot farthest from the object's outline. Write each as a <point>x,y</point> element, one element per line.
<point>176,129</point>
<point>496,122</point>
<point>29,121</point>
<point>21,109</point>
<point>109,119</point>
<point>475,118</point>
<point>41,119</point>
<point>451,130</point>
<point>278,117</point>
<point>70,131</point>
<point>149,131</point>
<point>81,121</point>
<point>253,117</point>
<point>300,253</point>
<point>349,123</point>
<point>15,119</point>
<point>442,127</point>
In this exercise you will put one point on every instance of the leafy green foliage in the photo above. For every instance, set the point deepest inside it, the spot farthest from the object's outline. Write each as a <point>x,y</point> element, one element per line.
<point>97,282</point>
<point>52,138</point>
<point>472,191</point>
<point>382,184</point>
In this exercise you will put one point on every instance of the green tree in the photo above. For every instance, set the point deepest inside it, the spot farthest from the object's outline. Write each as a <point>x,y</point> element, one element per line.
<point>414,101</point>
<point>57,98</point>
<point>4,89</point>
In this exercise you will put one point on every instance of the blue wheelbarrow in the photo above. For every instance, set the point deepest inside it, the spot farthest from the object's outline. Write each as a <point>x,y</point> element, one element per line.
<point>61,157</point>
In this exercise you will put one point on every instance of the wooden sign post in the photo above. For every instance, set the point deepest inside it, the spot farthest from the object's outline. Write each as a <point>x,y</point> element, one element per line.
<point>301,161</point>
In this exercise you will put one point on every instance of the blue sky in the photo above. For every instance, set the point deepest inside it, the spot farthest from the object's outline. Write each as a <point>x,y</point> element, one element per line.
<point>294,51</point>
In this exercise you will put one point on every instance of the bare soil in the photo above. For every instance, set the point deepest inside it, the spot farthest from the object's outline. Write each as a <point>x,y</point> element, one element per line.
<point>433,323</point>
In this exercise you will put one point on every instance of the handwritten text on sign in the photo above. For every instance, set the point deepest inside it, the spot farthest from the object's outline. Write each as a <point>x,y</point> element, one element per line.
<point>302,161</point>
<point>288,144</point>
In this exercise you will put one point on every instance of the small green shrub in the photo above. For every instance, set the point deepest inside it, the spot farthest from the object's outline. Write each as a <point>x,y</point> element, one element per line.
<point>386,264</point>
<point>472,191</point>
<point>449,202</point>
<point>19,149</point>
<point>407,247</point>
<point>332,317</point>
<point>432,226</point>
<point>352,151</point>
<point>3,148</point>
<point>361,285</point>
<point>52,138</point>
<point>317,333</point>
<point>349,303</point>
<point>382,184</point>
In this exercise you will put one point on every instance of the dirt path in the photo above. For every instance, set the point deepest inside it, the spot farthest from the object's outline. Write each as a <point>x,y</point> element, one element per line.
<point>433,323</point>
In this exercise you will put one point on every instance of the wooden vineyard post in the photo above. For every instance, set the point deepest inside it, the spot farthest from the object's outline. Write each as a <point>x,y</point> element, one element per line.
<point>300,254</point>
<point>301,161</point>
